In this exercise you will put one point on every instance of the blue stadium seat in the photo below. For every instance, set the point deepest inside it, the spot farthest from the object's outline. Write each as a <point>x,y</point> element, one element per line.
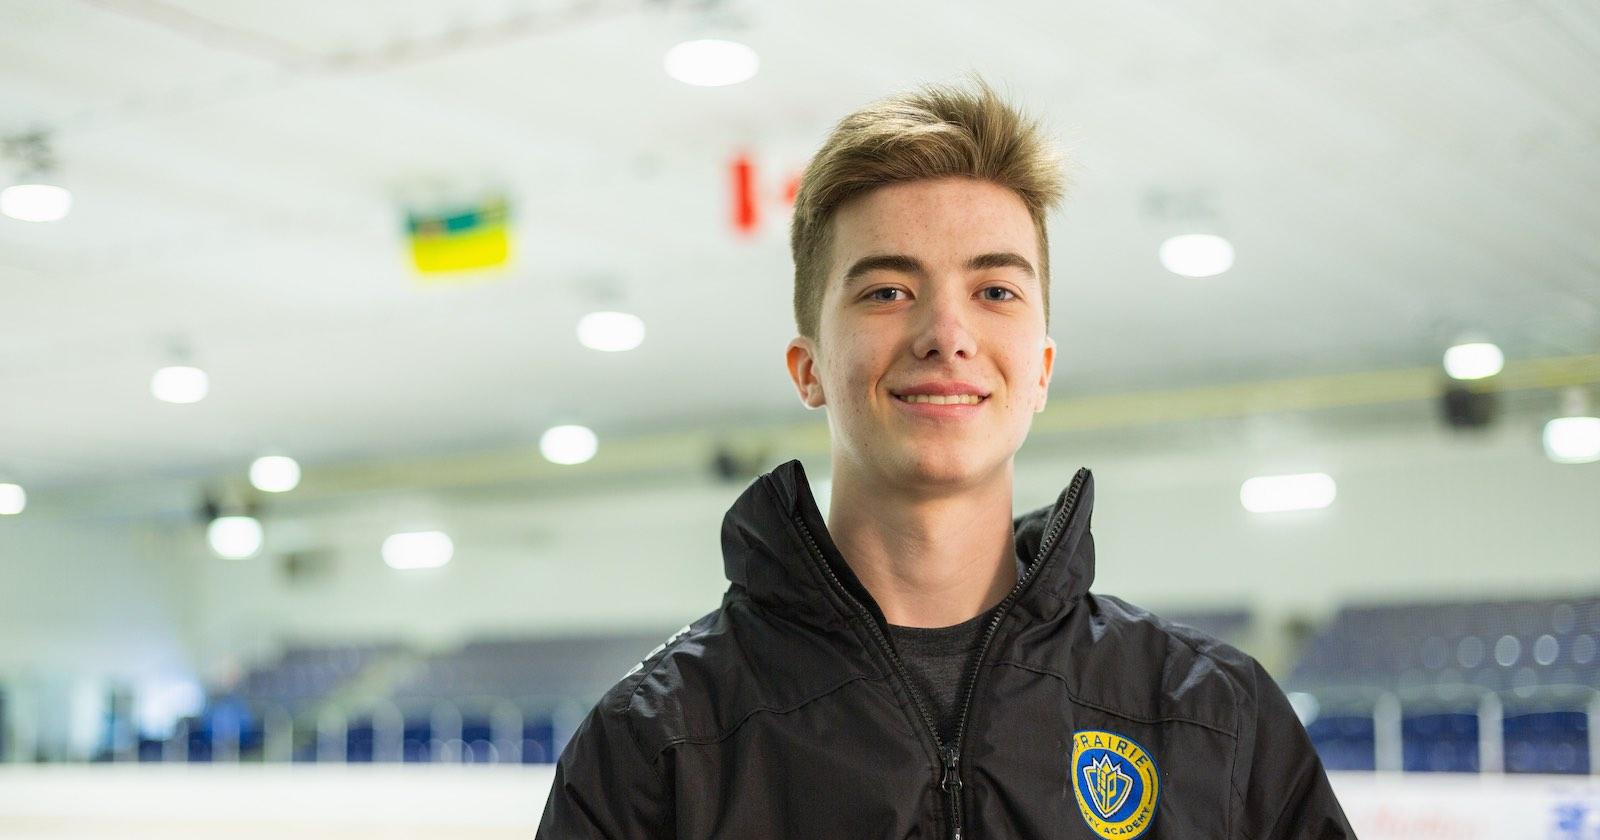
<point>252,738</point>
<point>538,741</point>
<point>359,741</point>
<point>199,743</point>
<point>1440,743</point>
<point>477,740</point>
<point>1547,742</point>
<point>418,736</point>
<point>151,749</point>
<point>1344,742</point>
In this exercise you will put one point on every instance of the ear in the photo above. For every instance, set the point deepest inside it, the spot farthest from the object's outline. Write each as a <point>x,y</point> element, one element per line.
<point>802,361</point>
<point>1048,369</point>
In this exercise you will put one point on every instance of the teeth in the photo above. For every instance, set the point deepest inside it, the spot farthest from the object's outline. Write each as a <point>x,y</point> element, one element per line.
<point>958,399</point>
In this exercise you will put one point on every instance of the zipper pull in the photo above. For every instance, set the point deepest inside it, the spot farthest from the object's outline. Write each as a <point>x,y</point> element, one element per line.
<point>951,782</point>
<point>952,786</point>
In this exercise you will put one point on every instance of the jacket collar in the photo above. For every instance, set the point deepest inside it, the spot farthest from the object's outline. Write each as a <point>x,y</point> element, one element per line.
<point>774,535</point>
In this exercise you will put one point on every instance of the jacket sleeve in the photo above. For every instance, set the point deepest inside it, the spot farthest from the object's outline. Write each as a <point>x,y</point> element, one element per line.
<point>606,784</point>
<point>1280,779</point>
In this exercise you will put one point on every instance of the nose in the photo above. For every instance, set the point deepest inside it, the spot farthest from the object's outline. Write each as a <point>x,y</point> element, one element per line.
<point>942,329</point>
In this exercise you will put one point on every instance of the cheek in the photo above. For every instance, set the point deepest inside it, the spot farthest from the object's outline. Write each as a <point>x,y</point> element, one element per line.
<point>1024,367</point>
<point>859,369</point>
<point>859,382</point>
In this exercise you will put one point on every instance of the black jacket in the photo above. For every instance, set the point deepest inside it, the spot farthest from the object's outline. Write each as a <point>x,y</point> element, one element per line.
<point>787,713</point>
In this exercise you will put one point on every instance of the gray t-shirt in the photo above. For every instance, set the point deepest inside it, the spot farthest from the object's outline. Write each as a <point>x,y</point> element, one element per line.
<point>938,658</point>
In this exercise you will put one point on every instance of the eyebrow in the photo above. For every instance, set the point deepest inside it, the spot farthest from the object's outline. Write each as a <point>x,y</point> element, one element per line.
<point>909,265</point>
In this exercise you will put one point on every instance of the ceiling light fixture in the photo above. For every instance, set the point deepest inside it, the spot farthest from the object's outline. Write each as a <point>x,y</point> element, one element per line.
<point>234,537</point>
<point>1279,493</point>
<point>274,473</point>
<point>418,550</point>
<point>35,197</point>
<point>568,444</point>
<point>711,62</point>
<point>179,384</point>
<point>1197,255</point>
<point>1473,360</point>
<point>1573,438</point>
<point>36,202</point>
<point>13,499</point>
<point>611,332</point>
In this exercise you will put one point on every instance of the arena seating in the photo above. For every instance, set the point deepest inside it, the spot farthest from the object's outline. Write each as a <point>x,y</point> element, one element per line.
<point>489,700</point>
<point>305,675</point>
<point>1529,667</point>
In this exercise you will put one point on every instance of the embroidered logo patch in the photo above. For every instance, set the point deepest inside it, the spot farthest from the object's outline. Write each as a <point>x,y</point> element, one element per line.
<point>1115,782</point>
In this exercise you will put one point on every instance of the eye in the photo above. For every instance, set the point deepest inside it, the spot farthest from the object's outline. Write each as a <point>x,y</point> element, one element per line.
<point>875,292</point>
<point>1012,295</point>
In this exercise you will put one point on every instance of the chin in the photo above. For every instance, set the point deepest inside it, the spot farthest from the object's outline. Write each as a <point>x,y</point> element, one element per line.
<point>945,465</point>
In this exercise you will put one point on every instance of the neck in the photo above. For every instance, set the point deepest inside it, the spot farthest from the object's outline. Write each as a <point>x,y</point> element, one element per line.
<point>928,559</point>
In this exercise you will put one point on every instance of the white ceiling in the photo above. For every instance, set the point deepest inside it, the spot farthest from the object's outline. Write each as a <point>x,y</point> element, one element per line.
<point>1391,173</point>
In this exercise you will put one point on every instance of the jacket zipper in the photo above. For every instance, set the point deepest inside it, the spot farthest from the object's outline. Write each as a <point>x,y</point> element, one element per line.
<point>950,783</point>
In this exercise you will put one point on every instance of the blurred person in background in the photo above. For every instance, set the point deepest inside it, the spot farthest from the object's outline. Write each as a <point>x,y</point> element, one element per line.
<point>924,663</point>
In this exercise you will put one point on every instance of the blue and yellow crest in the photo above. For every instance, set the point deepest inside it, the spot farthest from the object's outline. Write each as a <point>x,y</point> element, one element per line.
<point>1116,783</point>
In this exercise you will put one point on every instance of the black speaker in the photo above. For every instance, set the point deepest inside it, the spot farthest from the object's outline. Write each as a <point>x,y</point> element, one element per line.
<point>1465,408</point>
<point>303,567</point>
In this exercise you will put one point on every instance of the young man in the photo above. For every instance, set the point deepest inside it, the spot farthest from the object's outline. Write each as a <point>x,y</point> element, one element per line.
<point>922,664</point>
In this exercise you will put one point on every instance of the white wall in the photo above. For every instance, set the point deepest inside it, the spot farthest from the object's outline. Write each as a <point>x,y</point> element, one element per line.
<point>1419,514</point>
<point>84,605</point>
<point>616,562</point>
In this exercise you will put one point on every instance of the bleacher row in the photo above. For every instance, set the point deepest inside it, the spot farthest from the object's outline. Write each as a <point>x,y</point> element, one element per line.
<point>1506,686</point>
<point>488,701</point>
<point>1510,686</point>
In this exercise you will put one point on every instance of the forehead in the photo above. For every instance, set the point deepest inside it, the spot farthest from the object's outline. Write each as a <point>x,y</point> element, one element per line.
<point>940,222</point>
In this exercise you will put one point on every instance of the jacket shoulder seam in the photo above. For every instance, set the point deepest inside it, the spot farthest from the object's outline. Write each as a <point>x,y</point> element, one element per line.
<point>1235,683</point>
<point>1233,780</point>
<point>1119,713</point>
<point>1233,788</point>
<point>1165,628</point>
<point>701,740</point>
<point>625,700</point>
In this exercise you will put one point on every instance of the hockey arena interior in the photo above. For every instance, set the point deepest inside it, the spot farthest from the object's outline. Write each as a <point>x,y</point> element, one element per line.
<point>376,378</point>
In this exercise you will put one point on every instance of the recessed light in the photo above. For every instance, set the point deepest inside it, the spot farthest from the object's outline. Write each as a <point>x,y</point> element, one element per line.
<point>711,62</point>
<point>179,384</point>
<point>1278,493</point>
<point>1572,440</point>
<point>274,473</point>
<point>1473,360</point>
<point>610,331</point>
<point>418,550</point>
<point>36,202</point>
<point>234,537</point>
<point>1197,255</point>
<point>12,499</point>
<point>568,444</point>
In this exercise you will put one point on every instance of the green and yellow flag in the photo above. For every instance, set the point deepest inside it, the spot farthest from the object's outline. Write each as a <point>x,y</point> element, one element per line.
<point>460,240</point>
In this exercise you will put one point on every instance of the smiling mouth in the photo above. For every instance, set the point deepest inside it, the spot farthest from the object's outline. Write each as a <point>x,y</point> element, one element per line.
<point>933,399</point>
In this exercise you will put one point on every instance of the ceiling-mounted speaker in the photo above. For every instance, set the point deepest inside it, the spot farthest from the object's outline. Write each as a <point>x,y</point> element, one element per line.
<point>1465,408</point>
<point>308,566</point>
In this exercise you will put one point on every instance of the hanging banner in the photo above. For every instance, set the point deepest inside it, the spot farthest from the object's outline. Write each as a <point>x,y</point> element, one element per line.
<point>462,239</point>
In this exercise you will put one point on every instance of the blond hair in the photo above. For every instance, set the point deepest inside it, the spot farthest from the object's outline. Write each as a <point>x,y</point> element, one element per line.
<point>936,131</point>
